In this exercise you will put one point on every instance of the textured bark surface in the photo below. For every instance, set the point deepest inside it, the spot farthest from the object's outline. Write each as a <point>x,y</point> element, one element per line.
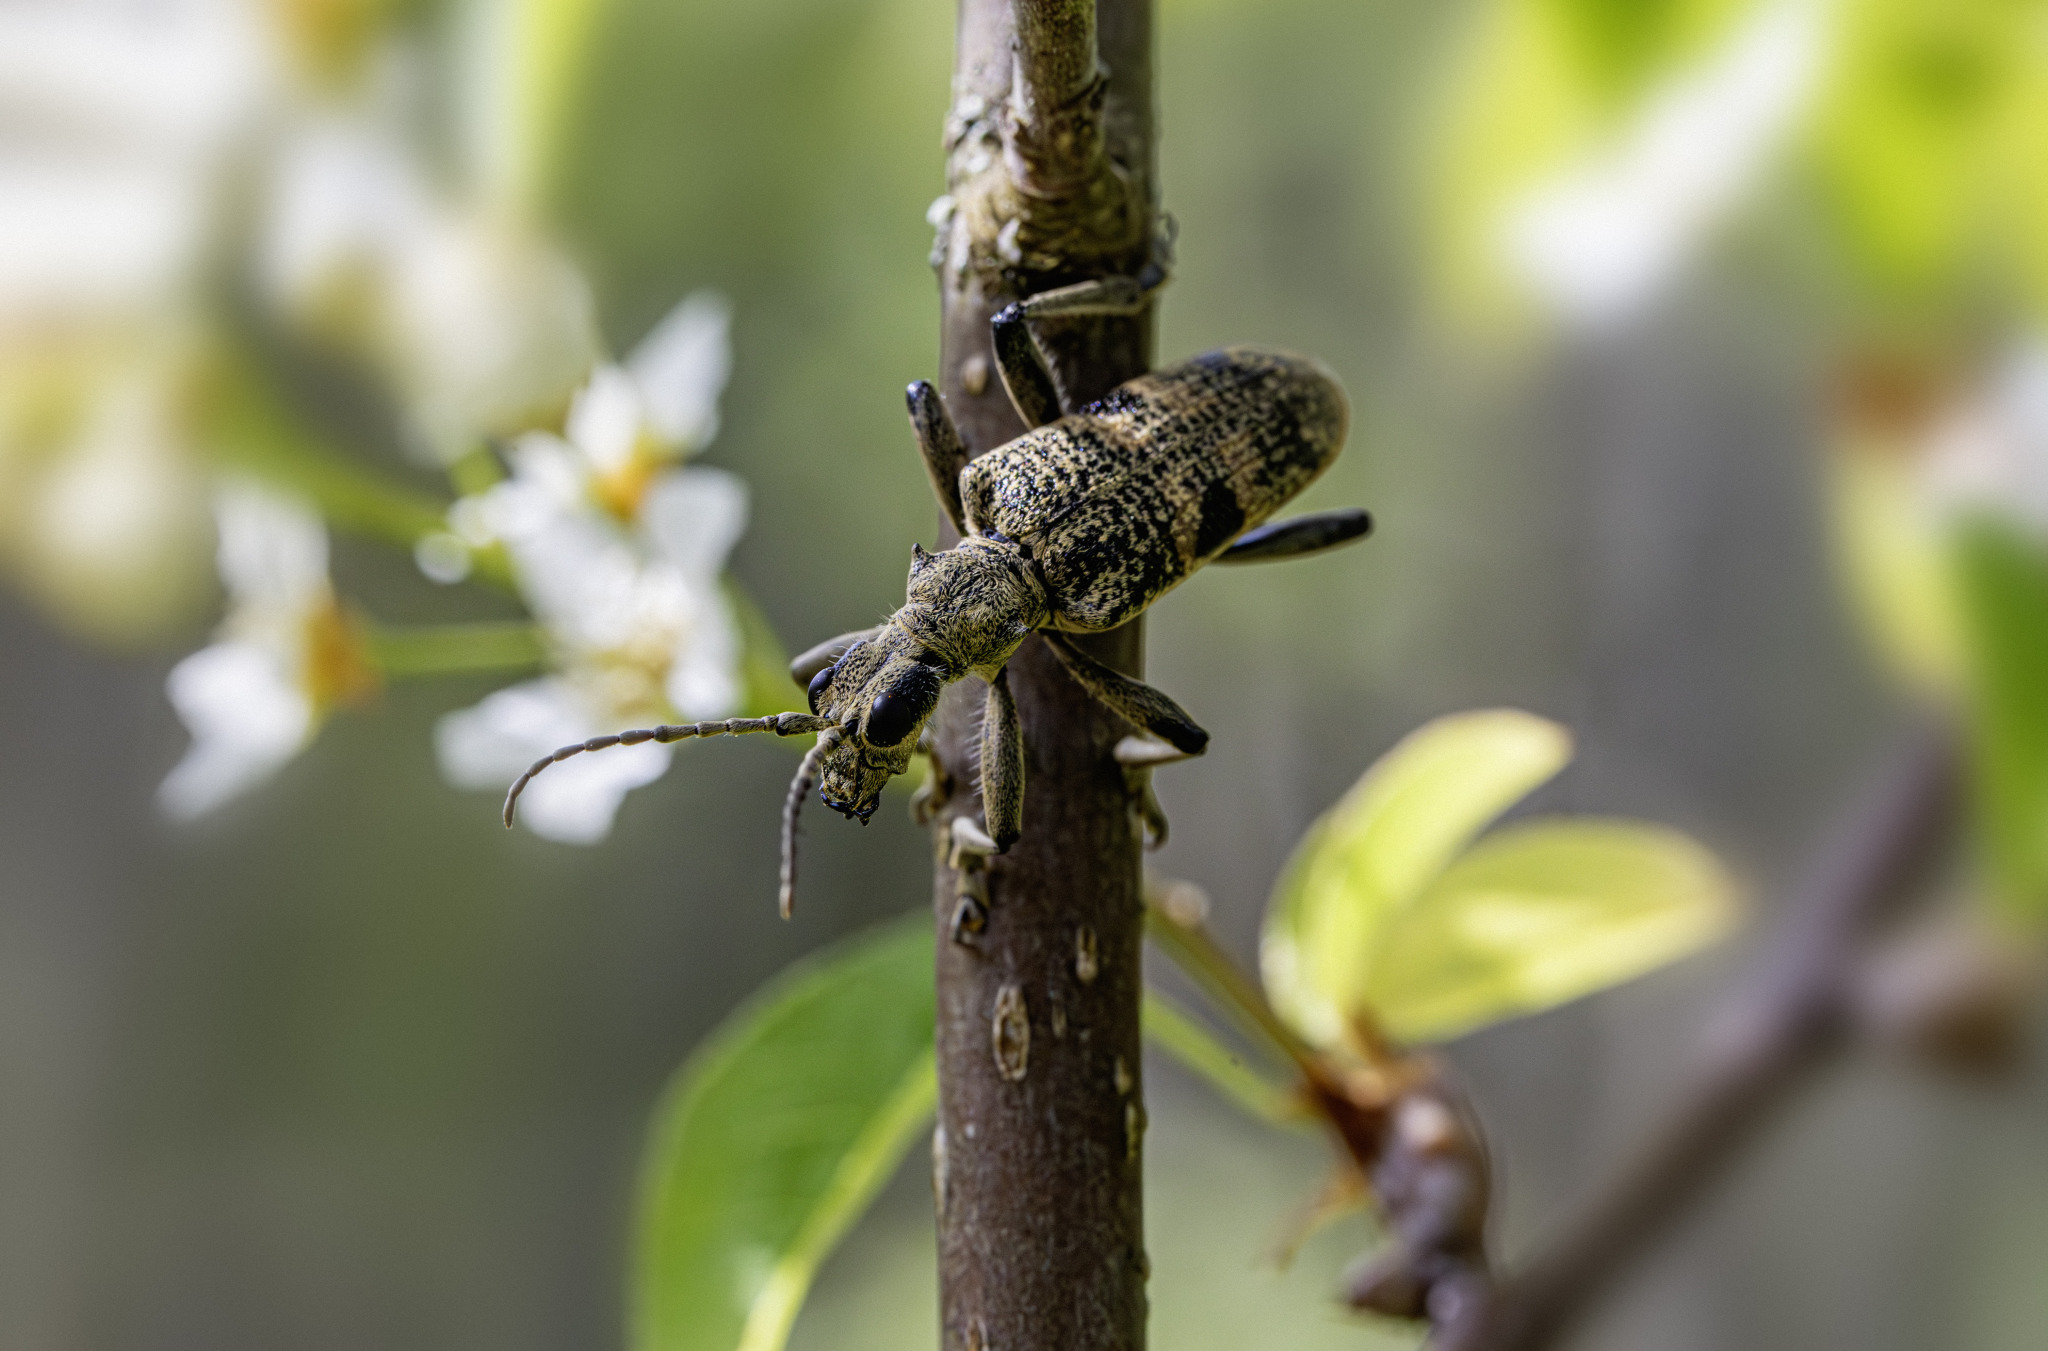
<point>1037,1156</point>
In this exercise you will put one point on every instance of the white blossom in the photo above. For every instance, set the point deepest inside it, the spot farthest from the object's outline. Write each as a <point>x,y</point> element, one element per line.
<point>1603,238</point>
<point>1990,451</point>
<point>482,327</point>
<point>119,123</point>
<point>618,553</point>
<point>116,124</point>
<point>254,698</point>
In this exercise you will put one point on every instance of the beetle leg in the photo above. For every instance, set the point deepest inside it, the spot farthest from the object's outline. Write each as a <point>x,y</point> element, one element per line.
<point>1299,536</point>
<point>1022,363</point>
<point>1104,295</point>
<point>1132,700</point>
<point>945,454</point>
<point>809,662</point>
<point>1002,764</point>
<point>1023,368</point>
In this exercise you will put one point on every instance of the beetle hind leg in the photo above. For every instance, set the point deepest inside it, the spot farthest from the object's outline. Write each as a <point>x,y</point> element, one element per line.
<point>1299,536</point>
<point>1132,700</point>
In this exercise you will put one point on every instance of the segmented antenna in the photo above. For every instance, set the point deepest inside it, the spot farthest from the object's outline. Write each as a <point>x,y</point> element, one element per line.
<point>799,789</point>
<point>782,724</point>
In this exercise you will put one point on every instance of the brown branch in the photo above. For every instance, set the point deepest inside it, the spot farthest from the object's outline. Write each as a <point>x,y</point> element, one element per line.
<point>1778,1028</point>
<point>1037,1159</point>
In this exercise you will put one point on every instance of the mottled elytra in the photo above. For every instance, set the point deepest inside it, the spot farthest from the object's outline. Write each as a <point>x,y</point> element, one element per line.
<point>1074,527</point>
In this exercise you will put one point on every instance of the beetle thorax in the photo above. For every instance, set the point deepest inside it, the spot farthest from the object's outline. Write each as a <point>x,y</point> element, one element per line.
<point>970,606</point>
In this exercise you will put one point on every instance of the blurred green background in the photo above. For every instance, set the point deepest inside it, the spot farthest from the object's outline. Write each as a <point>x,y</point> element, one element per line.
<point>351,1066</point>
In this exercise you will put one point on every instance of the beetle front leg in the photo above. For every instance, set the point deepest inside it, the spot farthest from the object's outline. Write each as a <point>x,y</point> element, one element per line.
<point>1002,764</point>
<point>938,441</point>
<point>1132,700</point>
<point>1022,363</point>
<point>810,661</point>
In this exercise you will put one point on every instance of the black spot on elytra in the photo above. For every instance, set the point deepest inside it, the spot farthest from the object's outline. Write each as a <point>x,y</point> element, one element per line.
<point>1222,518</point>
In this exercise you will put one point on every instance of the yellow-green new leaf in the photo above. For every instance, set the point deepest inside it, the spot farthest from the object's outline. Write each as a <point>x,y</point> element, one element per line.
<point>775,1137</point>
<point>1541,913</point>
<point>1375,852</point>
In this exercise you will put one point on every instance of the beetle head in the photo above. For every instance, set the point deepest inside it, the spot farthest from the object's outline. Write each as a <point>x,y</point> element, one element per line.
<point>882,693</point>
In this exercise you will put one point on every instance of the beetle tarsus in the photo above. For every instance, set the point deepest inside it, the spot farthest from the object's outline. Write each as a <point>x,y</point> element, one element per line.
<point>1299,536</point>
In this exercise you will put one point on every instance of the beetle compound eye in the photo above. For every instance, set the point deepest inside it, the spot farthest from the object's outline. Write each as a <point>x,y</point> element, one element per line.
<point>816,690</point>
<point>890,719</point>
<point>898,710</point>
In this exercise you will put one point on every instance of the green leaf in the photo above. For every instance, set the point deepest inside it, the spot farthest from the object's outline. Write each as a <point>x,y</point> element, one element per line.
<point>775,1137</point>
<point>1375,852</point>
<point>1908,136</point>
<point>1187,1040</point>
<point>2004,582</point>
<point>1541,913</point>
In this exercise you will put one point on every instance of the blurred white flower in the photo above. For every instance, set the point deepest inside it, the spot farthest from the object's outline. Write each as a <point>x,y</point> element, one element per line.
<point>119,123</point>
<point>482,327</point>
<point>625,426</point>
<point>116,124</point>
<point>286,655</point>
<point>1990,451</point>
<point>1603,238</point>
<point>639,625</point>
<point>103,506</point>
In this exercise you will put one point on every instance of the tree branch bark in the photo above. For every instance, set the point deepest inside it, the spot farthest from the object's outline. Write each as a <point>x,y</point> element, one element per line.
<point>1776,1029</point>
<point>1036,1158</point>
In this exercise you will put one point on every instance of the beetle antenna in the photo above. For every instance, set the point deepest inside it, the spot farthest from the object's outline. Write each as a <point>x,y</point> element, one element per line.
<point>782,724</point>
<point>799,789</point>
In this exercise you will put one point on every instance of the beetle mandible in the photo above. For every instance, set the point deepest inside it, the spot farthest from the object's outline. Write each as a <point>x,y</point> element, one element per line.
<point>1074,527</point>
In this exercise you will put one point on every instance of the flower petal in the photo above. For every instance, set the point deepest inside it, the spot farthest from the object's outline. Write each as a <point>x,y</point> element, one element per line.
<point>604,420</point>
<point>681,367</point>
<point>704,679</point>
<point>488,746</point>
<point>247,718</point>
<point>693,517</point>
<point>273,548</point>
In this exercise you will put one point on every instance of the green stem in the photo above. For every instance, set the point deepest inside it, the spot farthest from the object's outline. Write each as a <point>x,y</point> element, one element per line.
<point>456,649</point>
<point>254,431</point>
<point>1197,953</point>
<point>1195,1046</point>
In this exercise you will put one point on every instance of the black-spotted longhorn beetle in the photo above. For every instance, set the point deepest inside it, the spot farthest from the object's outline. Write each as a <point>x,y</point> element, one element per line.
<point>1074,527</point>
